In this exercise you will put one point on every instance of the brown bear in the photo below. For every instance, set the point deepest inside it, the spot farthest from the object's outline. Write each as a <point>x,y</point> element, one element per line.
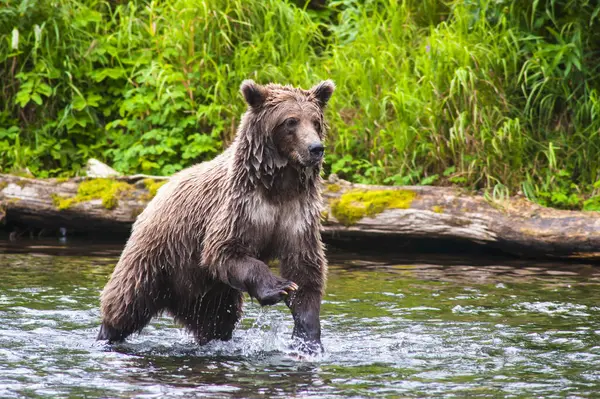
<point>207,235</point>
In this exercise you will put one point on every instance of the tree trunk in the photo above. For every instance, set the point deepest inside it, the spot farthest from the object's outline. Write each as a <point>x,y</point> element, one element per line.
<point>515,225</point>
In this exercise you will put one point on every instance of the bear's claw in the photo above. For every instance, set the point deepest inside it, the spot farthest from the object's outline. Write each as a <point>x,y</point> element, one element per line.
<point>277,292</point>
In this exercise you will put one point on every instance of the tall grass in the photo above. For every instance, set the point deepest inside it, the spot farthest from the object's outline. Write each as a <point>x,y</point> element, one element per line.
<point>498,95</point>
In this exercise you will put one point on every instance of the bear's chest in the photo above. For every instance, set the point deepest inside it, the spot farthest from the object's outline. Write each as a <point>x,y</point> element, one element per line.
<point>275,222</point>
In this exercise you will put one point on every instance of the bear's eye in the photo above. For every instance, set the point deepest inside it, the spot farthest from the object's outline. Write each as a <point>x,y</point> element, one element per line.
<point>291,122</point>
<point>317,125</point>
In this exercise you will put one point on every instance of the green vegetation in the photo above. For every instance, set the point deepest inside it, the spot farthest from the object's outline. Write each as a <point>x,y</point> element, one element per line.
<point>356,204</point>
<point>107,190</point>
<point>477,93</point>
<point>592,204</point>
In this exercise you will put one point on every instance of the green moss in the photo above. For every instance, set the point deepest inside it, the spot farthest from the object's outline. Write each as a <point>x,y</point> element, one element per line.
<point>21,183</point>
<point>107,190</point>
<point>437,209</point>
<point>152,186</point>
<point>3,185</point>
<point>60,202</point>
<point>356,204</point>
<point>333,188</point>
<point>61,179</point>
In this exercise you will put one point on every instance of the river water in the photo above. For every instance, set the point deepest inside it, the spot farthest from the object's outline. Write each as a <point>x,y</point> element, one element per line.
<point>416,326</point>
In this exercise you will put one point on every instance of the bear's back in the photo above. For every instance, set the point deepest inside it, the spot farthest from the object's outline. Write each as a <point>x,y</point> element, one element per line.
<point>174,222</point>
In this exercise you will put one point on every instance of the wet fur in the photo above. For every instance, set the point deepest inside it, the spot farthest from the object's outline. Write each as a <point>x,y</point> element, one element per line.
<point>206,236</point>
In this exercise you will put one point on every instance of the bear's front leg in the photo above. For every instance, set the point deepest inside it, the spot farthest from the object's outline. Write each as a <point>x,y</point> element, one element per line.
<point>309,271</point>
<point>305,305</point>
<point>254,277</point>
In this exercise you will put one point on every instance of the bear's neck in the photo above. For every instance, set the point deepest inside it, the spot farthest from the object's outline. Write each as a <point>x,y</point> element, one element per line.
<point>290,182</point>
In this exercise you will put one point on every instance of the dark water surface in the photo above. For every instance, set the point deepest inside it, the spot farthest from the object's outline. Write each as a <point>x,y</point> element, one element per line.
<point>420,327</point>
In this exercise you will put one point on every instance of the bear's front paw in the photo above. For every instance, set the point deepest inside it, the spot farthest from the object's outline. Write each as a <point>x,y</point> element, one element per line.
<point>275,292</point>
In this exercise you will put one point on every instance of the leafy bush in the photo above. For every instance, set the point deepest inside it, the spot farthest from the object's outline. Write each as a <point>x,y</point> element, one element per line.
<point>146,86</point>
<point>479,93</point>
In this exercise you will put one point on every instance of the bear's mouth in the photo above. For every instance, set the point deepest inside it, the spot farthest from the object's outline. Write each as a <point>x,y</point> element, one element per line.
<point>311,162</point>
<point>303,161</point>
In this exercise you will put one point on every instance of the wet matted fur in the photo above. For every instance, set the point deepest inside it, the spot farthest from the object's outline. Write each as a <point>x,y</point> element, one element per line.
<point>207,235</point>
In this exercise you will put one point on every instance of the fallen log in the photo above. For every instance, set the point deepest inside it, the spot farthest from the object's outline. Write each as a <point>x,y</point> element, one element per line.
<point>358,211</point>
<point>78,205</point>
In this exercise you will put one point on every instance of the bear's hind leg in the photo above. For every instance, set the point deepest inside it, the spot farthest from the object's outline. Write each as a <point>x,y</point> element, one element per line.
<point>128,304</point>
<point>212,315</point>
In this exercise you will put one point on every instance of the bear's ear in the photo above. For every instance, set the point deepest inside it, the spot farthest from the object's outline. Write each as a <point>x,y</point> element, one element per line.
<point>254,94</point>
<point>323,91</point>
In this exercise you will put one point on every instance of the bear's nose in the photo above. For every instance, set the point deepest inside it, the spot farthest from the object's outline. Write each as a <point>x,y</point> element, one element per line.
<point>316,150</point>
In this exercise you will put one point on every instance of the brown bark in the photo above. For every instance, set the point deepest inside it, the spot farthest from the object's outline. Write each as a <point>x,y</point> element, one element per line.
<point>31,203</point>
<point>516,225</point>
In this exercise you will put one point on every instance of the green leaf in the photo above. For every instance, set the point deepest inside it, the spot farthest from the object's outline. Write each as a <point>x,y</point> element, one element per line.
<point>11,133</point>
<point>79,103</point>
<point>449,170</point>
<point>111,73</point>
<point>93,100</point>
<point>36,98</point>
<point>592,204</point>
<point>458,180</point>
<point>149,165</point>
<point>429,180</point>
<point>44,89</point>
<point>22,98</point>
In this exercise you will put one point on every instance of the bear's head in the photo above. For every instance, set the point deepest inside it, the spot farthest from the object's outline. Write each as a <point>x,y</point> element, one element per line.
<point>288,121</point>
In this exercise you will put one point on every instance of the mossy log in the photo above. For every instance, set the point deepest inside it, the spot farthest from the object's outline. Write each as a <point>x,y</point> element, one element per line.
<point>515,225</point>
<point>351,211</point>
<point>107,206</point>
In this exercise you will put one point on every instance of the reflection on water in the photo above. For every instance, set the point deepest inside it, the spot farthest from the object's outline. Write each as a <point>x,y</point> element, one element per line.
<point>410,326</point>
